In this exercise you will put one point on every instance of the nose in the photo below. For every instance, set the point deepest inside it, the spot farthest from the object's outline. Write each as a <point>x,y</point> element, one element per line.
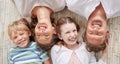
<point>41,29</point>
<point>95,31</point>
<point>71,34</point>
<point>19,38</point>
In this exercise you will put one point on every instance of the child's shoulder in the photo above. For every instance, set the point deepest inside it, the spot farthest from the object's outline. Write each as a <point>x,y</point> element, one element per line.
<point>13,50</point>
<point>32,44</point>
<point>56,47</point>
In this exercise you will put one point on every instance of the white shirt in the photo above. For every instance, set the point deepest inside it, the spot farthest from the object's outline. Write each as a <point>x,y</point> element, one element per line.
<point>61,55</point>
<point>81,7</point>
<point>25,6</point>
<point>86,7</point>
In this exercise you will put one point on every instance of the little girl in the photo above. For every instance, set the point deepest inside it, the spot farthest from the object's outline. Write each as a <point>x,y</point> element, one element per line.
<point>70,51</point>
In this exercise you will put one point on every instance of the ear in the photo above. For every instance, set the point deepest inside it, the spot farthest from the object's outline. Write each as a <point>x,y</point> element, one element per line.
<point>107,37</point>
<point>54,31</point>
<point>60,37</point>
<point>108,34</point>
<point>29,33</point>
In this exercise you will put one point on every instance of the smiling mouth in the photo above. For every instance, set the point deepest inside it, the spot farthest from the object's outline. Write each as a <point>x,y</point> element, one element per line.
<point>42,26</point>
<point>72,39</point>
<point>96,24</point>
<point>22,41</point>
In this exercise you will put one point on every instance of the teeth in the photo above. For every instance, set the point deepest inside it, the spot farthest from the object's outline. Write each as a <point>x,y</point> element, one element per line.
<point>96,26</point>
<point>42,27</point>
<point>73,39</point>
<point>22,41</point>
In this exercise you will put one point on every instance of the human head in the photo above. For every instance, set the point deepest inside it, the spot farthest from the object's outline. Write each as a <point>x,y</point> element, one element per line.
<point>67,30</point>
<point>19,32</point>
<point>97,29</point>
<point>42,28</point>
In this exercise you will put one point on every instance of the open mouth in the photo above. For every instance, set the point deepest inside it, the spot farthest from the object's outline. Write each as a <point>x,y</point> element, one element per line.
<point>22,41</point>
<point>72,39</point>
<point>96,24</point>
<point>42,26</point>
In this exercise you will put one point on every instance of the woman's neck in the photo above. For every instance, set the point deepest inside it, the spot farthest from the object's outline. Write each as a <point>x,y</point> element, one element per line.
<point>41,12</point>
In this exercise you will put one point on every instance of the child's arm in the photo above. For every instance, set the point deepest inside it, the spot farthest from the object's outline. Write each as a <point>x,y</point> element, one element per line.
<point>10,61</point>
<point>47,62</point>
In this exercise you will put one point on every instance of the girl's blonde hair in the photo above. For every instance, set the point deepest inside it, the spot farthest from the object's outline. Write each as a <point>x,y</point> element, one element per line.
<point>18,25</point>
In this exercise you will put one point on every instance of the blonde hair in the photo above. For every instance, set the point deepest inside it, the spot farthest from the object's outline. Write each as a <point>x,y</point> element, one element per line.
<point>18,25</point>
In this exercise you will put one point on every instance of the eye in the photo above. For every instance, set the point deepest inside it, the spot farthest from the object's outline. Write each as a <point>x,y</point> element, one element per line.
<point>74,30</point>
<point>15,37</point>
<point>67,32</point>
<point>21,33</point>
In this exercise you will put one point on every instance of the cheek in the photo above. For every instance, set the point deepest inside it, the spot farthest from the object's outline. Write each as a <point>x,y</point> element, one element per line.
<point>36,30</point>
<point>65,37</point>
<point>36,37</point>
<point>15,41</point>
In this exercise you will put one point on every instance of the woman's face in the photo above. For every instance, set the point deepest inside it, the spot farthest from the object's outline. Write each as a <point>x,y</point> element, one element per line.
<point>44,31</point>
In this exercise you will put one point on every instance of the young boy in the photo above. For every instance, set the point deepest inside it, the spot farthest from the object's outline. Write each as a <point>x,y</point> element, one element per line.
<point>26,51</point>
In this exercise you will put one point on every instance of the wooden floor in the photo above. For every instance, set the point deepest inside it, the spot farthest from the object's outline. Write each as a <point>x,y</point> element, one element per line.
<point>8,13</point>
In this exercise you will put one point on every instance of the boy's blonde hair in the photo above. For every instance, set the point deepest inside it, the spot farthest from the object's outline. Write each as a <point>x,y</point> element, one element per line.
<point>18,25</point>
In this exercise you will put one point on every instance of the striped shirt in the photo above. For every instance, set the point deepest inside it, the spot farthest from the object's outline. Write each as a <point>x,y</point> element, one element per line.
<point>29,55</point>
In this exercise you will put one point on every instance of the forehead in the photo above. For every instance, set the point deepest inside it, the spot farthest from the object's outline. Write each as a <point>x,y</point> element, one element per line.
<point>17,32</point>
<point>68,26</point>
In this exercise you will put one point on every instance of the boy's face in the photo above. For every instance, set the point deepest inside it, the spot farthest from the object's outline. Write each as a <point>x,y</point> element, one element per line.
<point>69,33</point>
<point>44,31</point>
<point>21,38</point>
<point>97,28</point>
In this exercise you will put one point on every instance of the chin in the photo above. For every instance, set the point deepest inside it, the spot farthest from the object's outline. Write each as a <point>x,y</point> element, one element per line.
<point>45,44</point>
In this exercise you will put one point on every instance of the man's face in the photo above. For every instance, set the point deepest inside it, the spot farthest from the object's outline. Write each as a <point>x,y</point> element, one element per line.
<point>44,31</point>
<point>97,28</point>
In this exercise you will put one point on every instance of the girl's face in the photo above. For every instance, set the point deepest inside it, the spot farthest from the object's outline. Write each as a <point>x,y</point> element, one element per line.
<point>21,38</point>
<point>69,33</point>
